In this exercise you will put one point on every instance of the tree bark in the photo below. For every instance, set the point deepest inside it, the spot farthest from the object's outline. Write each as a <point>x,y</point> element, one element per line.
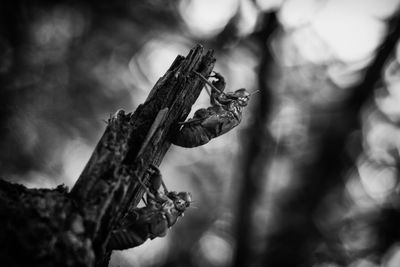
<point>76,225</point>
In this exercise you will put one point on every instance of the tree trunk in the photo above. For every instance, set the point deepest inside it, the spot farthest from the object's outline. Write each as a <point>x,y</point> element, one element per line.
<point>257,148</point>
<point>42,227</point>
<point>295,240</point>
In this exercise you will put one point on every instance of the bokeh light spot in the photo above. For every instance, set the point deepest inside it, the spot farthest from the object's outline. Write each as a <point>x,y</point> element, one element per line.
<point>207,17</point>
<point>351,35</point>
<point>215,249</point>
<point>378,181</point>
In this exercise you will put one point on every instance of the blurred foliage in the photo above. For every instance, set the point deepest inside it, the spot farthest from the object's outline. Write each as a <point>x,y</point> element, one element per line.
<point>307,179</point>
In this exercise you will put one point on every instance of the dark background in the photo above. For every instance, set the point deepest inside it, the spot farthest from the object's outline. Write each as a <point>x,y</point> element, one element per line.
<point>309,178</point>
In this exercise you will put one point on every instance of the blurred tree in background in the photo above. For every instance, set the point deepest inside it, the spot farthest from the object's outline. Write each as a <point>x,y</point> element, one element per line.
<point>310,177</point>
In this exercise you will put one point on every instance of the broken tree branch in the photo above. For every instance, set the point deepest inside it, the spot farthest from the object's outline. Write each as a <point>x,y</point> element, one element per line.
<point>110,183</point>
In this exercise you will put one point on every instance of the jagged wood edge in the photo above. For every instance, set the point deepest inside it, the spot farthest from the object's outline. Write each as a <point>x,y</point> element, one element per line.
<point>108,185</point>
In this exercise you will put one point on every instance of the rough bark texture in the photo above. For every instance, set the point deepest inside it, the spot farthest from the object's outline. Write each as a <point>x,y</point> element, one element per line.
<point>40,227</point>
<point>56,228</point>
